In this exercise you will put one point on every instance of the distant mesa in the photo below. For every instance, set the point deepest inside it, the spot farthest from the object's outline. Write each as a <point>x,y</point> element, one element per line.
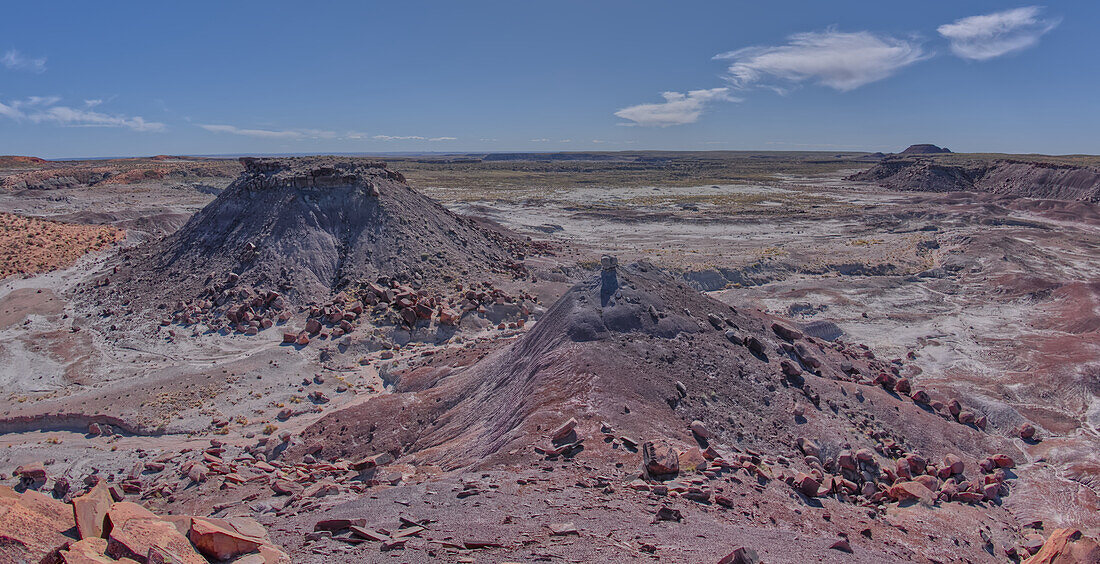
<point>925,149</point>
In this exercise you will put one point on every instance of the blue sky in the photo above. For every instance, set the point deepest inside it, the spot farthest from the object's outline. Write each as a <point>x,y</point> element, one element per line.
<point>126,78</point>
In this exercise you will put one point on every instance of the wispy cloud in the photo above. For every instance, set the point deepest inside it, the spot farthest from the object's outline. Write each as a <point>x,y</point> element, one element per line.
<point>411,138</point>
<point>839,60</point>
<point>399,137</point>
<point>677,109</point>
<point>275,133</point>
<point>980,38</point>
<point>539,140</point>
<point>14,60</point>
<point>44,109</point>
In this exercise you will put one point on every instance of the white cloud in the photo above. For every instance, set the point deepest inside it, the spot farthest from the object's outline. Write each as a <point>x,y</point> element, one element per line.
<point>980,38</point>
<point>399,137</point>
<point>677,109</point>
<point>539,140</point>
<point>278,133</point>
<point>843,61</point>
<point>443,139</point>
<point>44,109</point>
<point>92,103</point>
<point>14,60</point>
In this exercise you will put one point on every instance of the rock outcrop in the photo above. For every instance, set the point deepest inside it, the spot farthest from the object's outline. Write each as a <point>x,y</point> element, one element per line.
<point>1029,179</point>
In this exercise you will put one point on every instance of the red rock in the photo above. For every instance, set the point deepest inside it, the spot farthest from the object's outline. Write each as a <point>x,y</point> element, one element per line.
<point>659,458</point>
<point>1067,546</point>
<point>1026,431</point>
<point>953,464</point>
<point>885,380</point>
<point>903,491</point>
<point>903,386</point>
<point>134,534</point>
<point>967,417</point>
<point>920,396</point>
<point>842,545</point>
<point>303,338</point>
<point>338,524</point>
<point>954,407</point>
<point>91,510</point>
<point>219,542</point>
<point>313,326</point>
<point>1003,461</point>
<point>563,430</point>
<point>32,525</point>
<point>929,482</point>
<point>290,337</point>
<point>786,332</point>
<point>691,460</point>
<point>806,484</point>
<point>969,497</point>
<point>742,555</point>
<point>88,551</point>
<point>700,429</point>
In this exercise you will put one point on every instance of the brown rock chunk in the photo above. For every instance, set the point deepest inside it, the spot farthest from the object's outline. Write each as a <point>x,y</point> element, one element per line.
<point>90,511</point>
<point>220,542</point>
<point>659,458</point>
<point>1026,431</point>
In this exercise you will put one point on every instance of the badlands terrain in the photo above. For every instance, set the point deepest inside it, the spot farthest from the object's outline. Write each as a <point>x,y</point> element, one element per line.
<point>572,357</point>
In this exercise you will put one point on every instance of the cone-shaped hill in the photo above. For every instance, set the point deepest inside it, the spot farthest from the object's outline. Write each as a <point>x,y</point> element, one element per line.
<point>308,227</point>
<point>634,355</point>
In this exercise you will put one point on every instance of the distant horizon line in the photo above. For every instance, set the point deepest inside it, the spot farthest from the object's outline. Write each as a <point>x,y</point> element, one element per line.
<point>509,152</point>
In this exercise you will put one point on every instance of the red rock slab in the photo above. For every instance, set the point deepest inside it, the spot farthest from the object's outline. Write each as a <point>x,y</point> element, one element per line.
<point>91,510</point>
<point>134,537</point>
<point>1067,546</point>
<point>220,542</point>
<point>33,526</point>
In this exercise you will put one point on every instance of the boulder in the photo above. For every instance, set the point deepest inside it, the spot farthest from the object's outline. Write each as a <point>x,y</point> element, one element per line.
<point>1026,431</point>
<point>953,464</point>
<point>563,430</point>
<point>136,537</point>
<point>659,458</point>
<point>691,460</point>
<point>221,542</point>
<point>903,491</point>
<point>33,526</point>
<point>87,551</point>
<point>1067,546</point>
<point>700,429</point>
<point>91,510</point>
<point>31,475</point>
<point>786,332</point>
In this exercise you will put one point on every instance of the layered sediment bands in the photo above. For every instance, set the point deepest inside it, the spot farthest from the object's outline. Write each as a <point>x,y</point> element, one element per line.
<point>1007,177</point>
